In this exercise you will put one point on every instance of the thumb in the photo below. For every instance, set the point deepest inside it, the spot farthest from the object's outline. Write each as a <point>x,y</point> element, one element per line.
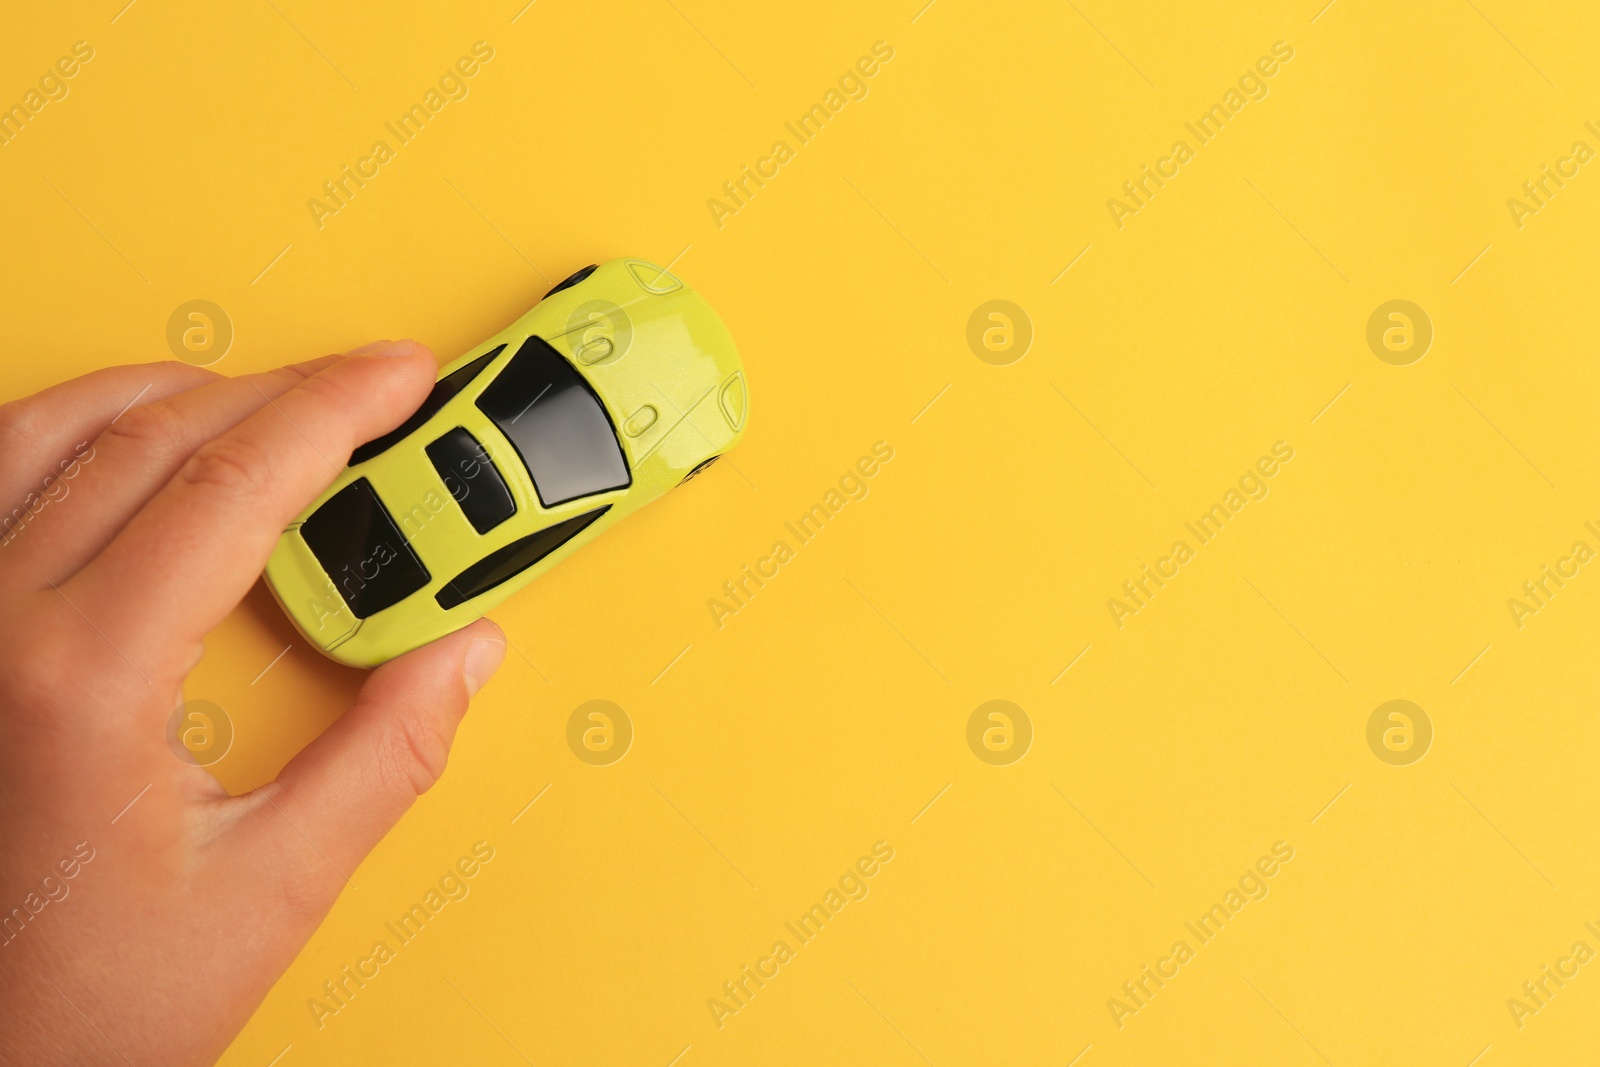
<point>335,800</point>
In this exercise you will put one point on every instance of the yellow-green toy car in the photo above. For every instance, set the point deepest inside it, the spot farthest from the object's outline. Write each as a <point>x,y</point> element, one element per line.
<point>619,385</point>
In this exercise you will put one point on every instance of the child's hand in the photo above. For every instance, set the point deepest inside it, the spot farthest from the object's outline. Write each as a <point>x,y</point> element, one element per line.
<point>144,913</point>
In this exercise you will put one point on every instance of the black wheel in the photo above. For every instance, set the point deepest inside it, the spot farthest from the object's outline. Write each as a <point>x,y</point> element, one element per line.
<point>699,468</point>
<point>572,279</point>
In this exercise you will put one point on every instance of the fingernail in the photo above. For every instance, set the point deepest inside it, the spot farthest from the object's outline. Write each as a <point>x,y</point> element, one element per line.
<point>483,658</point>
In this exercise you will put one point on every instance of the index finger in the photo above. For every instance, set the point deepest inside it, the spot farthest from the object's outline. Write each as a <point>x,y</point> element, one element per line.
<point>191,554</point>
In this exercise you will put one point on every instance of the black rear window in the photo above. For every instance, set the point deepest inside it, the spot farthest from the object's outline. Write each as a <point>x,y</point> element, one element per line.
<point>355,539</point>
<point>554,420</point>
<point>443,390</point>
<point>506,563</point>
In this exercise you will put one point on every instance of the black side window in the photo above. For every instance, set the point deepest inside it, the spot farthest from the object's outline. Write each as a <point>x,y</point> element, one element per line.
<point>555,421</point>
<point>506,563</point>
<point>363,552</point>
<point>571,280</point>
<point>443,390</point>
<point>472,479</point>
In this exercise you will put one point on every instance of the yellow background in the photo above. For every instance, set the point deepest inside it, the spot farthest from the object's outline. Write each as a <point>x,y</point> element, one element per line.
<point>829,712</point>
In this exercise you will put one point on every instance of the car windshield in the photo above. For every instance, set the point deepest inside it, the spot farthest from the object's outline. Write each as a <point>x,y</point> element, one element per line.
<point>557,424</point>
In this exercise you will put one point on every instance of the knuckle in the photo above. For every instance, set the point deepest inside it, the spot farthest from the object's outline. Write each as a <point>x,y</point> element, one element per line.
<point>328,391</point>
<point>155,427</point>
<point>294,374</point>
<point>318,405</point>
<point>280,380</point>
<point>19,424</point>
<point>416,755</point>
<point>230,465</point>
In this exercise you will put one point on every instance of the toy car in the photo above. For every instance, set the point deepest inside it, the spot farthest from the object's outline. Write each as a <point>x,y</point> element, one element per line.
<point>619,385</point>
